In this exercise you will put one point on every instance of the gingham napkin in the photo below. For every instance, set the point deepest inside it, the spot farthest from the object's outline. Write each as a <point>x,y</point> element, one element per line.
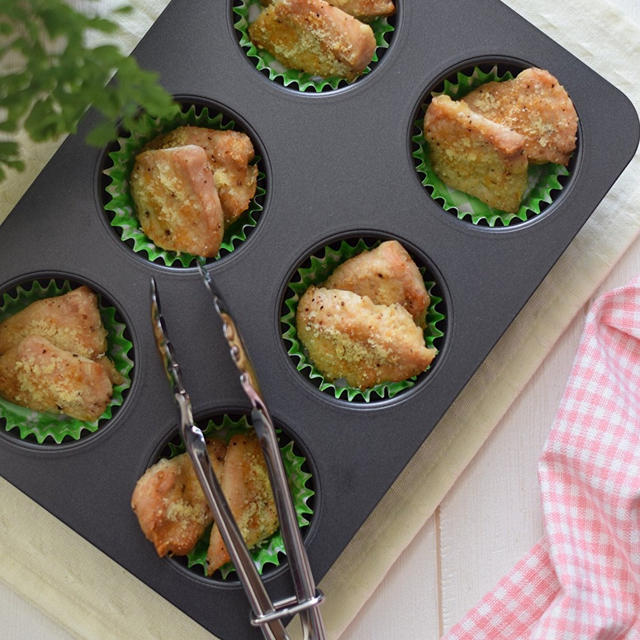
<point>582,580</point>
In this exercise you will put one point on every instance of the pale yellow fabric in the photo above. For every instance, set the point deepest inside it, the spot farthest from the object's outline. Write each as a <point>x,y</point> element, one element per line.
<point>94,598</point>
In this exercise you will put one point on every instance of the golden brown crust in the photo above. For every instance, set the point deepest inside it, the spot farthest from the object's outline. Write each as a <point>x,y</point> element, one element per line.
<point>315,37</point>
<point>476,155</point>
<point>361,9</point>
<point>173,512</point>
<point>535,105</point>
<point>229,154</point>
<point>347,336</point>
<point>38,375</point>
<point>387,275</point>
<point>71,322</point>
<point>365,9</point>
<point>176,200</point>
<point>246,486</point>
<point>114,375</point>
<point>169,503</point>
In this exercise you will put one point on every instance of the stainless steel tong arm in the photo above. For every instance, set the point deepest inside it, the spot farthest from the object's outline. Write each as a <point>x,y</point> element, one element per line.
<point>194,441</point>
<point>300,569</point>
<point>301,575</point>
<point>257,595</point>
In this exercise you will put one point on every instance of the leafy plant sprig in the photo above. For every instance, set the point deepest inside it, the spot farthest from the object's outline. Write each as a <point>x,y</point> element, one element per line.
<point>49,76</point>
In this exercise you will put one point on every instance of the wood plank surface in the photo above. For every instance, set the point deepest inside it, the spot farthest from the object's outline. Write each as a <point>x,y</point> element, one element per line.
<point>492,515</point>
<point>416,614</point>
<point>20,620</point>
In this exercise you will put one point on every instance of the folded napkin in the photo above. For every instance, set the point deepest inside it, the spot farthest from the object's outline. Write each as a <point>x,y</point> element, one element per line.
<point>582,580</point>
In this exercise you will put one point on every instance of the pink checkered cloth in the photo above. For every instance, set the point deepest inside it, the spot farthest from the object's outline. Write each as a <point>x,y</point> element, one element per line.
<point>582,580</point>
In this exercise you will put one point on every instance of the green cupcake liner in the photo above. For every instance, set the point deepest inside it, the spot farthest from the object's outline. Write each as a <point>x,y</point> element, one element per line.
<point>42,425</point>
<point>270,551</point>
<point>247,11</point>
<point>317,272</point>
<point>120,203</point>
<point>542,179</point>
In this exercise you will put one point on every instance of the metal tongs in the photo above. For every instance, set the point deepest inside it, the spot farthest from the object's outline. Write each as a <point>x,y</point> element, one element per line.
<point>266,614</point>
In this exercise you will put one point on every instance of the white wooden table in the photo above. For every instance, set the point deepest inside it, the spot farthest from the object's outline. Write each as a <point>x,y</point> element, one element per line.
<point>490,518</point>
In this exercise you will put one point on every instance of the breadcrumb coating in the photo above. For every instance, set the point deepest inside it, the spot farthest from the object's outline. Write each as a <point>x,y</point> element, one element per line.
<point>349,337</point>
<point>168,501</point>
<point>365,9</point>
<point>361,9</point>
<point>176,200</point>
<point>315,37</point>
<point>476,155</point>
<point>387,275</point>
<point>38,375</point>
<point>173,512</point>
<point>70,321</point>
<point>246,486</point>
<point>229,154</point>
<point>535,105</point>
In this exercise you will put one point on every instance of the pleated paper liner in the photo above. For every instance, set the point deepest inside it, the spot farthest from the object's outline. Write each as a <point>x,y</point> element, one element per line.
<point>317,269</point>
<point>39,425</point>
<point>271,551</point>
<point>543,180</point>
<point>119,202</point>
<point>246,11</point>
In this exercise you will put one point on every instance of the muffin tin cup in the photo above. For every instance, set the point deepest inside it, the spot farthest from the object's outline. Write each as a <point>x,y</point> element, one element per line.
<point>246,11</point>
<point>321,265</point>
<point>270,553</point>
<point>39,425</point>
<point>119,203</point>
<point>544,181</point>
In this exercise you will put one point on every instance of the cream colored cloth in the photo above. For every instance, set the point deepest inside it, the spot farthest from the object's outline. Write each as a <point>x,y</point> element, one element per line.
<point>94,598</point>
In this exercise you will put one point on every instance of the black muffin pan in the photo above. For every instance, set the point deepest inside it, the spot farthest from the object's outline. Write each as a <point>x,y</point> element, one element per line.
<point>338,166</point>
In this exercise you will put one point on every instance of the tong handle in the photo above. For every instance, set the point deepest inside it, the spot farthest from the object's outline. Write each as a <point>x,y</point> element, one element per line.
<point>288,607</point>
<point>304,585</point>
<point>261,604</point>
<point>299,567</point>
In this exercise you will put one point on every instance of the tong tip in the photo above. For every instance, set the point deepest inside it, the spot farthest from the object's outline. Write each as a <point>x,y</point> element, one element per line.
<point>206,278</point>
<point>208,283</point>
<point>154,289</point>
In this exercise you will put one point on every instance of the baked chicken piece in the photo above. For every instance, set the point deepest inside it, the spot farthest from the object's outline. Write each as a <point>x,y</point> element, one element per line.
<point>361,9</point>
<point>365,9</point>
<point>535,105</point>
<point>229,154</point>
<point>38,375</point>
<point>348,336</point>
<point>476,155</point>
<point>245,483</point>
<point>176,200</point>
<point>386,274</point>
<point>70,322</point>
<point>315,37</point>
<point>171,508</point>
